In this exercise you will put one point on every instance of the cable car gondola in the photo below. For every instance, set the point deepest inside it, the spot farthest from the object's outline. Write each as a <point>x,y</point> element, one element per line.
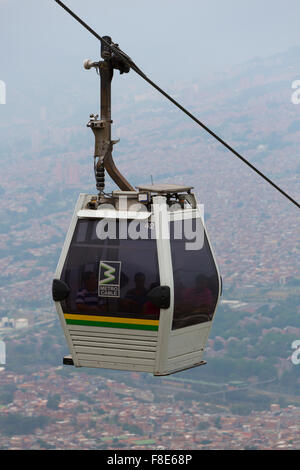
<point>137,285</point>
<point>130,290</point>
<point>144,302</point>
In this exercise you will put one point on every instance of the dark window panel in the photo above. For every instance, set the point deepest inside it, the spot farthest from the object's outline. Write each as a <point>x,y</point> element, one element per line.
<point>196,282</point>
<point>139,273</point>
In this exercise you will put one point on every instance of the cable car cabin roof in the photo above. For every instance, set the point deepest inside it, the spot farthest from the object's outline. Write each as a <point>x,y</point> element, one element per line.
<point>164,188</point>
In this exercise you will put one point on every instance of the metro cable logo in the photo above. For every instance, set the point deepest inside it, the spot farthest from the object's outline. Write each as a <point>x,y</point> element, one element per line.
<point>109,274</point>
<point>109,278</point>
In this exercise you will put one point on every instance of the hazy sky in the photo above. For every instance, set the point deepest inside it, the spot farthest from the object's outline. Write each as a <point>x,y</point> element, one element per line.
<point>167,38</point>
<point>43,48</point>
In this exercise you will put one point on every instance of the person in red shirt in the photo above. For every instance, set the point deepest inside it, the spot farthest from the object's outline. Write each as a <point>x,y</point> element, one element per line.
<point>149,308</point>
<point>199,299</point>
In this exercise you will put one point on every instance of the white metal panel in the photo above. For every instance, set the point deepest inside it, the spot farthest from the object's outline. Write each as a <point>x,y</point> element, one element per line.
<point>161,222</point>
<point>105,348</point>
<point>112,214</point>
<point>117,366</point>
<point>118,359</point>
<point>185,361</point>
<point>69,237</point>
<point>191,356</point>
<point>58,272</point>
<point>115,351</point>
<point>186,214</point>
<point>115,346</point>
<point>106,342</point>
<point>189,339</point>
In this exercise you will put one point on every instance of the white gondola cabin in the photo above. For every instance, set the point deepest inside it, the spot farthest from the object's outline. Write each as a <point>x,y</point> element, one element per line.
<point>137,285</point>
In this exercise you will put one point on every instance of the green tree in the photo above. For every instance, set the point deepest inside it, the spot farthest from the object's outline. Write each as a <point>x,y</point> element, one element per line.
<point>203,425</point>
<point>218,423</point>
<point>53,401</point>
<point>14,424</point>
<point>7,394</point>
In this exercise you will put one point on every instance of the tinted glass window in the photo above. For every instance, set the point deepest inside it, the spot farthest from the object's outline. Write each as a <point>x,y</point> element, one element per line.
<point>196,283</point>
<point>112,276</point>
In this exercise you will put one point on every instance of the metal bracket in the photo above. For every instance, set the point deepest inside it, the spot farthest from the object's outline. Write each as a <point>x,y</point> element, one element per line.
<point>102,127</point>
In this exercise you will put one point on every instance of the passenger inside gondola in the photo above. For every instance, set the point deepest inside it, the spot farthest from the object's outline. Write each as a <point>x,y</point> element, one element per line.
<point>200,297</point>
<point>149,308</point>
<point>136,297</point>
<point>87,299</point>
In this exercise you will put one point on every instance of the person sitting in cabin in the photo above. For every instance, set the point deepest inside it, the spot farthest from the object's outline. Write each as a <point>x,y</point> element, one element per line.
<point>199,299</point>
<point>149,308</point>
<point>87,300</point>
<point>136,297</point>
